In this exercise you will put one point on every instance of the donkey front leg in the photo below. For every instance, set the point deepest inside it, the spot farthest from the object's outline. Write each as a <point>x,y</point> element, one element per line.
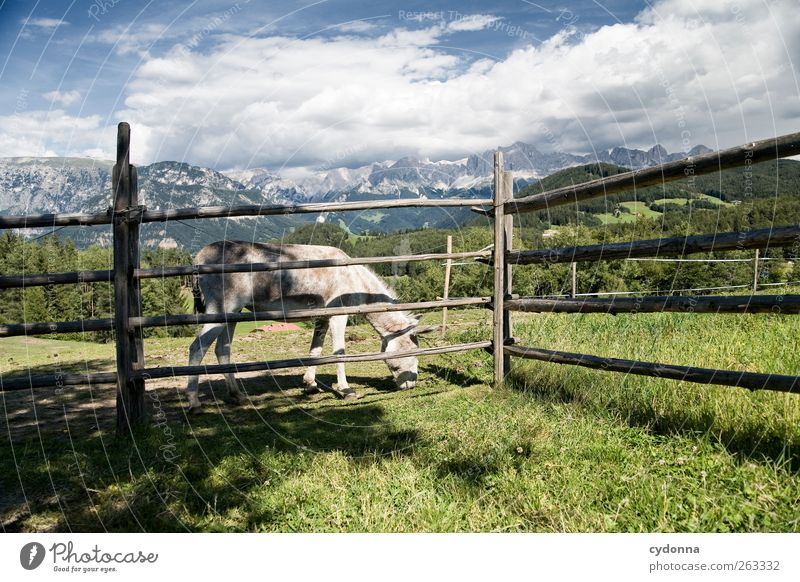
<point>338,325</point>
<point>317,340</point>
<point>223,351</point>
<point>197,351</point>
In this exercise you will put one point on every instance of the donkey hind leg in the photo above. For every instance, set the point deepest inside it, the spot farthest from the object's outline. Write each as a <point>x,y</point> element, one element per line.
<point>338,325</point>
<point>197,351</point>
<point>317,340</point>
<point>223,352</point>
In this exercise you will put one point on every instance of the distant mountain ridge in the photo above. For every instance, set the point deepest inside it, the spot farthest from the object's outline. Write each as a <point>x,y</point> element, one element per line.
<point>417,175</point>
<point>44,185</point>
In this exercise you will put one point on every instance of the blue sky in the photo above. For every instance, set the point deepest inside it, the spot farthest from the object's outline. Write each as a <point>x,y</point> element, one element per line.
<point>297,86</point>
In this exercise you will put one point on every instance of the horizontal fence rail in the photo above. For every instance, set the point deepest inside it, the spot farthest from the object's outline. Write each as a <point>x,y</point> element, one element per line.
<point>170,371</point>
<point>46,380</point>
<point>778,304</point>
<point>13,329</point>
<point>298,314</point>
<point>49,220</point>
<point>749,380</point>
<point>272,210</point>
<point>42,279</point>
<point>61,219</point>
<point>752,153</point>
<point>288,265</point>
<point>58,380</point>
<point>676,245</point>
<point>107,324</point>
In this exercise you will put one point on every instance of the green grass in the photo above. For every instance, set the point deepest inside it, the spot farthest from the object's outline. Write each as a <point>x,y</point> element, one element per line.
<point>20,355</point>
<point>623,217</point>
<point>641,208</point>
<point>558,449</point>
<point>695,195</point>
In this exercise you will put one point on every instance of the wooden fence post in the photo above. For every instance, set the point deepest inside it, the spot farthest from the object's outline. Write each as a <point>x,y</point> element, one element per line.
<point>501,273</point>
<point>446,293</point>
<point>508,231</point>
<point>755,271</point>
<point>574,268</point>
<point>130,393</point>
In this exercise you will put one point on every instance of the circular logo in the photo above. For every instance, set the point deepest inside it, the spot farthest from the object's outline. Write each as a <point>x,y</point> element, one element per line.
<point>31,555</point>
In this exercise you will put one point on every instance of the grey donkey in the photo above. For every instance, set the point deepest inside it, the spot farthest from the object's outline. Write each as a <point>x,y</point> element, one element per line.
<point>290,289</point>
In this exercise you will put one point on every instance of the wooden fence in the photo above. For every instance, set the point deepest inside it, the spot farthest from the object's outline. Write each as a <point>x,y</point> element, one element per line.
<point>126,215</point>
<point>745,155</point>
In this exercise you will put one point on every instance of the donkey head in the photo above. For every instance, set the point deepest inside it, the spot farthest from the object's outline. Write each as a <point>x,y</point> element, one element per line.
<point>403,339</point>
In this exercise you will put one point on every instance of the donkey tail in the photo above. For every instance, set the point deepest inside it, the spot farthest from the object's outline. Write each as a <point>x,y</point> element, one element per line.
<point>197,294</point>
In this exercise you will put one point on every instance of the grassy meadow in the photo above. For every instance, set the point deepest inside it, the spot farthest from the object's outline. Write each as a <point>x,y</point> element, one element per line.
<point>557,449</point>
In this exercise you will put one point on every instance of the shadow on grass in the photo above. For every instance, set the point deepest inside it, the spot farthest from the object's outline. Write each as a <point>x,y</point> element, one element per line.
<point>56,367</point>
<point>195,469</point>
<point>755,441</point>
<point>452,376</point>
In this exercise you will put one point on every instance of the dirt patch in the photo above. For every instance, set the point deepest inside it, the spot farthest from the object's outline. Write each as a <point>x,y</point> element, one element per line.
<point>34,341</point>
<point>79,411</point>
<point>277,327</point>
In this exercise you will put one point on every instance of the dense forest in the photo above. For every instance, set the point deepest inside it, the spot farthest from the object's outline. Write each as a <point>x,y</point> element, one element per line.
<point>758,197</point>
<point>84,300</point>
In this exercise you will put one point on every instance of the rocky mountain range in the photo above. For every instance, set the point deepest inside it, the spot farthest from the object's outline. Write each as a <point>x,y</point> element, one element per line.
<point>42,185</point>
<point>419,176</point>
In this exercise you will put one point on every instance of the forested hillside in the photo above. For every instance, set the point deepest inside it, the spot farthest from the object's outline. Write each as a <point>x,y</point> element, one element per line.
<point>85,300</point>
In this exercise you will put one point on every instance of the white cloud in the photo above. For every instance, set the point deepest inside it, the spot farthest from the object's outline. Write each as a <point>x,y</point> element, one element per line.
<point>472,22</point>
<point>66,98</point>
<point>684,72</point>
<point>55,133</point>
<point>45,23</point>
<point>32,27</point>
<point>357,26</point>
<point>133,39</point>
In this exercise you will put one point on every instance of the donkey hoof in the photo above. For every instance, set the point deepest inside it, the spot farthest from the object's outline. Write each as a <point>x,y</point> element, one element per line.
<point>349,394</point>
<point>195,410</point>
<point>234,400</point>
<point>311,389</point>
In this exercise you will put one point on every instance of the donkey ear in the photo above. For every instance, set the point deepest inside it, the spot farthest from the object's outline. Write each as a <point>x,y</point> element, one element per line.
<point>426,329</point>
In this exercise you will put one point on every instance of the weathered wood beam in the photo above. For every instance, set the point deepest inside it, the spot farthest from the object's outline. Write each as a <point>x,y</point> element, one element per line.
<point>300,314</point>
<point>671,246</point>
<point>56,380</point>
<point>778,304</point>
<point>170,371</point>
<point>43,279</point>
<point>287,265</point>
<point>83,219</point>
<point>12,329</point>
<point>272,210</point>
<point>52,220</point>
<point>749,380</point>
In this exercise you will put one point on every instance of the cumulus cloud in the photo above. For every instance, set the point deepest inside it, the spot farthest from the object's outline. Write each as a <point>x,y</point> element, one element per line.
<point>55,133</point>
<point>683,72</point>
<point>65,98</point>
